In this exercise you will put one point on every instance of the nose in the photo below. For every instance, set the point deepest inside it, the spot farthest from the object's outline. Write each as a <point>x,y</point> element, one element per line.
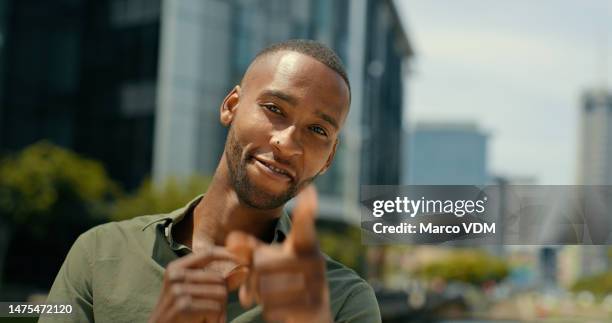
<point>286,143</point>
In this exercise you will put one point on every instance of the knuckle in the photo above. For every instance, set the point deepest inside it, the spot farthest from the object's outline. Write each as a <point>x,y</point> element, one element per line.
<point>183,305</point>
<point>171,273</point>
<point>216,277</point>
<point>177,290</point>
<point>219,291</point>
<point>173,266</point>
<point>212,277</point>
<point>176,274</point>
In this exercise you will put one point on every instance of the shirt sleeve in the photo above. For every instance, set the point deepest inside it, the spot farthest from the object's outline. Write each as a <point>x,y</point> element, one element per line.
<point>72,284</point>
<point>360,306</point>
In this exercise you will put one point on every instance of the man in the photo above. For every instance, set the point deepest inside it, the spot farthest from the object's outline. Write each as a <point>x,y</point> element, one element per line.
<point>284,120</point>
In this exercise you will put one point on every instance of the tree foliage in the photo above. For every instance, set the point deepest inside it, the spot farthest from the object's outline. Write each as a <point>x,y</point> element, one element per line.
<point>599,284</point>
<point>344,245</point>
<point>153,199</point>
<point>44,182</point>
<point>466,265</point>
<point>48,196</point>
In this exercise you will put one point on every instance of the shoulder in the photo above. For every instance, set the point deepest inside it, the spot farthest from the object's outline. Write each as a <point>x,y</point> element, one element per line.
<point>339,274</point>
<point>343,279</point>
<point>118,228</point>
<point>352,298</point>
<point>110,238</point>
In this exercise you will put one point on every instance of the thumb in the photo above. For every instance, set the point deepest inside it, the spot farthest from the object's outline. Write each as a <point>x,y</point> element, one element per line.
<point>303,236</point>
<point>242,245</point>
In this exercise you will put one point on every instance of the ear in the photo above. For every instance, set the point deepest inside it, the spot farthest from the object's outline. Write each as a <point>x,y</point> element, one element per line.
<point>229,105</point>
<point>330,158</point>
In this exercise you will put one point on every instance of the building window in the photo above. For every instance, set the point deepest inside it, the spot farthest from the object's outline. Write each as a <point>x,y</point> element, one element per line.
<point>134,12</point>
<point>137,99</point>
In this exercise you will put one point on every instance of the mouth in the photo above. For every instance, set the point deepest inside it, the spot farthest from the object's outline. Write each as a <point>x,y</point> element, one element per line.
<point>274,169</point>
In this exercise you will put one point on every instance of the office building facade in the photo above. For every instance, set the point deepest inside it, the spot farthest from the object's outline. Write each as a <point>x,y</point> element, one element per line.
<point>595,142</point>
<point>595,162</point>
<point>81,74</point>
<point>447,154</point>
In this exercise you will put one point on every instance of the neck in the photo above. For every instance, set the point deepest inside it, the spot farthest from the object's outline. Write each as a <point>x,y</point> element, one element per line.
<point>220,212</point>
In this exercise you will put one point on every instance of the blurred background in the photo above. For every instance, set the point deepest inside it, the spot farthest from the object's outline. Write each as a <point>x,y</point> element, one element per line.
<point>109,110</point>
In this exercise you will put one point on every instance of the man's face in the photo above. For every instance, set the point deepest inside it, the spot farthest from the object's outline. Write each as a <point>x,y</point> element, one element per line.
<point>284,124</point>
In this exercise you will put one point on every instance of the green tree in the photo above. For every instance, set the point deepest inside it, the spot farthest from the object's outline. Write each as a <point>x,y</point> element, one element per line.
<point>466,265</point>
<point>598,284</point>
<point>343,243</point>
<point>153,199</point>
<point>48,192</point>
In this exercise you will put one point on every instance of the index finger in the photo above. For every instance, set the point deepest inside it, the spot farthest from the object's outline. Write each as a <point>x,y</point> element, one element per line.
<point>303,236</point>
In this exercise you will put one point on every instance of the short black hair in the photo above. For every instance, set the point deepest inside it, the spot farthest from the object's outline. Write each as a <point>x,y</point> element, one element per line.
<point>312,48</point>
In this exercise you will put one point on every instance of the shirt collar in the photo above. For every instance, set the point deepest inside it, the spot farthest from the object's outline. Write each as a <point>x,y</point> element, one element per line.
<point>167,221</point>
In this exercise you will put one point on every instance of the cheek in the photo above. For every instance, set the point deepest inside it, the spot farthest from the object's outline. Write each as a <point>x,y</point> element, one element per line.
<point>316,160</point>
<point>252,127</point>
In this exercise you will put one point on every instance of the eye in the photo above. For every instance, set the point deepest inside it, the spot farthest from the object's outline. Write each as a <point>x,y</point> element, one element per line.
<point>319,130</point>
<point>272,108</point>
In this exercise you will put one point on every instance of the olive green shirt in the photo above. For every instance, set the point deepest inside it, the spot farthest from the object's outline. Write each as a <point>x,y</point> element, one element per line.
<point>114,273</point>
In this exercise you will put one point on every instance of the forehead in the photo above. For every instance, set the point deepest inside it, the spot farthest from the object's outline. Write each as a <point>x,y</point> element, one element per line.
<point>311,82</point>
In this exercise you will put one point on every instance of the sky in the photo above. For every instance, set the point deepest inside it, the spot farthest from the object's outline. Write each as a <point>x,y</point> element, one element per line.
<point>516,68</point>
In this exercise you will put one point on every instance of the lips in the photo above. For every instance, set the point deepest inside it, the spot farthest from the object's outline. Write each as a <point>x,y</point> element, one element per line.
<point>276,168</point>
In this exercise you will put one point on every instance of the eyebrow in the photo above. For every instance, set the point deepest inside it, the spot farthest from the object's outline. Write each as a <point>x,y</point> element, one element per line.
<point>293,101</point>
<point>328,118</point>
<point>281,95</point>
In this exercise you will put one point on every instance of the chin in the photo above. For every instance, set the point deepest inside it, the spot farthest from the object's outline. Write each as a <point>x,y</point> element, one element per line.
<point>263,202</point>
<point>263,198</point>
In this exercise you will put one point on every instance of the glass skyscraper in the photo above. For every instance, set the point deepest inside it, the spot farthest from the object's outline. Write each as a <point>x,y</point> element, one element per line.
<point>447,154</point>
<point>81,74</point>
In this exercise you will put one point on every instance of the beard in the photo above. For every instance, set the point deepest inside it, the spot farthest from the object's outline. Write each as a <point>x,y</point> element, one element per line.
<point>248,192</point>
